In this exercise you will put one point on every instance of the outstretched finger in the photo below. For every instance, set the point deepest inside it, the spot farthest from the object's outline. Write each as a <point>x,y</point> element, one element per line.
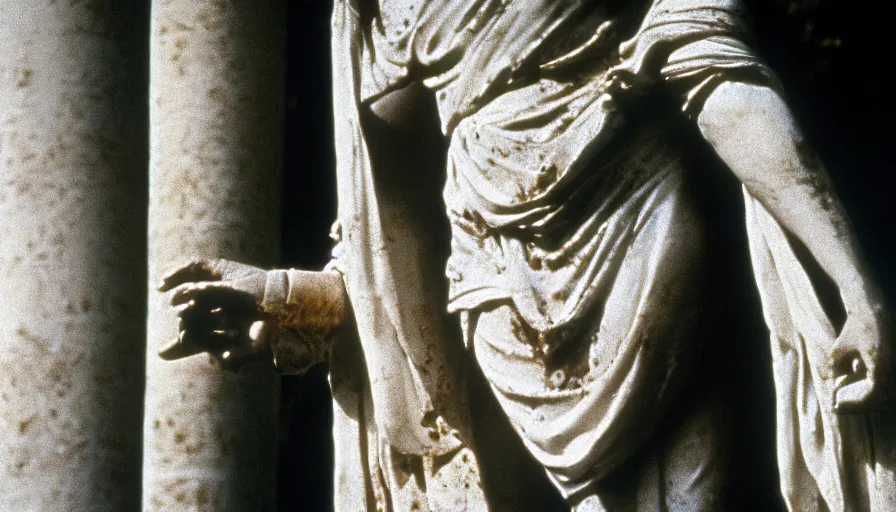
<point>190,343</point>
<point>196,270</point>
<point>209,292</point>
<point>180,348</point>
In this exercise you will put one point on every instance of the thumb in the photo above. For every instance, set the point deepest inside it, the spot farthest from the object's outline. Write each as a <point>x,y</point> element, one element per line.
<point>191,272</point>
<point>854,397</point>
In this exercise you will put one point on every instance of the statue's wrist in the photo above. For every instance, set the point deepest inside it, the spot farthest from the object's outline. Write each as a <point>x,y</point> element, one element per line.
<point>276,292</point>
<point>317,299</point>
<point>304,299</point>
<point>861,297</point>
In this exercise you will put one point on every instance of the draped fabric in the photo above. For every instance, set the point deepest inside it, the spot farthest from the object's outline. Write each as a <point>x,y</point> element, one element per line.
<point>568,203</point>
<point>572,232</point>
<point>449,39</point>
<point>391,403</point>
<point>407,367</point>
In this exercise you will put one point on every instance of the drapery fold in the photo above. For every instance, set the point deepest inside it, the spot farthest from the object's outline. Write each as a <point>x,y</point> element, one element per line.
<point>409,374</point>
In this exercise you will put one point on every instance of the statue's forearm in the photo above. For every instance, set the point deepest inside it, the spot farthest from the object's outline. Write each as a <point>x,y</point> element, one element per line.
<point>306,300</point>
<point>753,131</point>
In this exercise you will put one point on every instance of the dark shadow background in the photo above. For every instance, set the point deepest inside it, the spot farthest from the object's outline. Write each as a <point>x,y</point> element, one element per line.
<point>833,61</point>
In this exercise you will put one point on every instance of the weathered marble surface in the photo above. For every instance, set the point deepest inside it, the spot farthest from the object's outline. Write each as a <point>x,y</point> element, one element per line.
<point>216,142</point>
<point>72,221</point>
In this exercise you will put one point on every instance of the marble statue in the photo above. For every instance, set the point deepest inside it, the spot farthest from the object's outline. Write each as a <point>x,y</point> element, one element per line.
<point>576,266</point>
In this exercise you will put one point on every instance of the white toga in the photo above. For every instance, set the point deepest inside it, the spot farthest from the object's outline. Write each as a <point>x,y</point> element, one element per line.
<point>572,233</point>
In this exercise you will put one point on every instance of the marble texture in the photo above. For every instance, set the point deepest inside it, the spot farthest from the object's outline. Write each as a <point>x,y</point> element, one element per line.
<point>216,142</point>
<point>72,255</point>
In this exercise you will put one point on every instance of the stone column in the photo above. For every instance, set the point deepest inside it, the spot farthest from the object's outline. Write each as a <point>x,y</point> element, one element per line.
<point>73,156</point>
<point>216,120</point>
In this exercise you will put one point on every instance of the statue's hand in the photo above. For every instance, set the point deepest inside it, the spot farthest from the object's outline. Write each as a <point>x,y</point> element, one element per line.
<point>218,305</point>
<point>860,363</point>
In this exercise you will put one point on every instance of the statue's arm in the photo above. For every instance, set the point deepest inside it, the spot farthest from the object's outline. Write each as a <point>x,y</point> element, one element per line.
<point>240,313</point>
<point>752,130</point>
<point>294,311</point>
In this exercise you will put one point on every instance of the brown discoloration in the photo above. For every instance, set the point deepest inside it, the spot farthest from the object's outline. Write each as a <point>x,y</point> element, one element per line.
<point>562,353</point>
<point>319,307</point>
<point>814,176</point>
<point>816,179</point>
<point>25,424</point>
<point>202,495</point>
<point>546,178</point>
<point>25,78</point>
<point>560,295</point>
<point>535,262</point>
